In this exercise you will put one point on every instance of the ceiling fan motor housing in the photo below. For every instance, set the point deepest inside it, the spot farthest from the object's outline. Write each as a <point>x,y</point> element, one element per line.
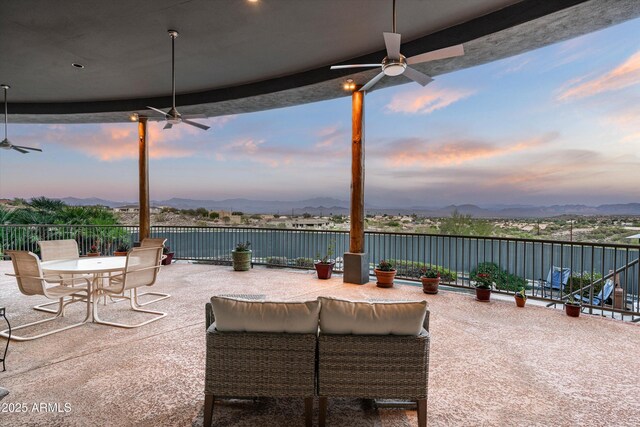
<point>394,67</point>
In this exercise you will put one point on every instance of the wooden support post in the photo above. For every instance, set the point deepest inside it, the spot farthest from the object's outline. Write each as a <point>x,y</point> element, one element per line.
<point>356,262</point>
<point>356,235</point>
<point>143,170</point>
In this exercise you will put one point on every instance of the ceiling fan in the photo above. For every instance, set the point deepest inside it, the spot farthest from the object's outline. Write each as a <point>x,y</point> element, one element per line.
<point>395,63</point>
<point>5,142</point>
<point>172,116</point>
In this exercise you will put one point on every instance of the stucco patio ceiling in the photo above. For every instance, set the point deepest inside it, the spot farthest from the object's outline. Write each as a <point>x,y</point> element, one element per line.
<point>237,56</point>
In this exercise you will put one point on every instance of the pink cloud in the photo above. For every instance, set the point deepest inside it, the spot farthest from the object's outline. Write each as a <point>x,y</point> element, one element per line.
<point>426,100</point>
<point>415,151</point>
<point>624,75</point>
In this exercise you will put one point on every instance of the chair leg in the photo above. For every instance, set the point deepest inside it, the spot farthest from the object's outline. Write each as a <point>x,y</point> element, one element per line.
<point>308,411</point>
<point>422,413</point>
<point>322,415</point>
<point>158,315</point>
<point>142,304</point>
<point>59,313</point>
<point>208,409</point>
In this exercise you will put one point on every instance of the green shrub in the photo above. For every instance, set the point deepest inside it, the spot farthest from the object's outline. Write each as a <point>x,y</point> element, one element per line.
<point>504,280</point>
<point>277,261</point>
<point>582,280</point>
<point>413,270</point>
<point>304,262</point>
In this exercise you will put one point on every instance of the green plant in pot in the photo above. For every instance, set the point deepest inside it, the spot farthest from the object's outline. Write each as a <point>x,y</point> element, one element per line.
<point>122,249</point>
<point>385,273</point>
<point>241,257</point>
<point>572,307</point>
<point>324,265</point>
<point>167,257</point>
<point>93,250</point>
<point>430,279</point>
<point>484,283</point>
<point>520,297</point>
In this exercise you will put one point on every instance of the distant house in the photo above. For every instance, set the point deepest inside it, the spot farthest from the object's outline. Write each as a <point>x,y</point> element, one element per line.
<point>310,223</point>
<point>135,209</point>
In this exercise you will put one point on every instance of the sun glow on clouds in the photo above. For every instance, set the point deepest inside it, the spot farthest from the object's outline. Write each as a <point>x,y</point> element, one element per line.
<point>426,100</point>
<point>428,153</point>
<point>113,142</point>
<point>624,75</point>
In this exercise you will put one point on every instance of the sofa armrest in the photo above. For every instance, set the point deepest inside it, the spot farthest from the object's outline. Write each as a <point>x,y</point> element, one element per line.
<point>209,316</point>
<point>425,324</point>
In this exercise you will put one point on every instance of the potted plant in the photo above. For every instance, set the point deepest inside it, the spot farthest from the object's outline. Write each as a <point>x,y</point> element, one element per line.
<point>520,297</point>
<point>385,273</point>
<point>93,251</point>
<point>168,255</point>
<point>324,267</point>
<point>430,280</point>
<point>572,307</point>
<point>484,282</point>
<point>241,257</point>
<point>122,249</point>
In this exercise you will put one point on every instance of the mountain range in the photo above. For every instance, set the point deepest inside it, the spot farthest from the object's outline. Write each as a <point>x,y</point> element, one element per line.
<point>327,205</point>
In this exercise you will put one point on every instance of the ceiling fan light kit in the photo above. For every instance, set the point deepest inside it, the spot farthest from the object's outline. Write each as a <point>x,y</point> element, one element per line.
<point>395,63</point>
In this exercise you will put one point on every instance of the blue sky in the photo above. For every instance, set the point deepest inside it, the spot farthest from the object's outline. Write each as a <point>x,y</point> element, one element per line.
<point>557,125</point>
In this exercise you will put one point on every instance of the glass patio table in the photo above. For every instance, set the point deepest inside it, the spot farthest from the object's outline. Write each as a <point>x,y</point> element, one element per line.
<point>97,267</point>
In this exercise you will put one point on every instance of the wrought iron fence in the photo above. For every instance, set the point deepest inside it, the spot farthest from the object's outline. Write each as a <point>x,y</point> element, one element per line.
<point>514,263</point>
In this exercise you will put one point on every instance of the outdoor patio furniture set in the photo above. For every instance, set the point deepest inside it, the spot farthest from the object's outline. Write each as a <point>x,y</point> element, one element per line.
<point>327,348</point>
<point>66,278</point>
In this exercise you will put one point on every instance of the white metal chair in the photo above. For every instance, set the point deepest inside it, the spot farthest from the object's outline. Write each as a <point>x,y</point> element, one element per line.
<point>154,242</point>
<point>53,250</point>
<point>31,281</point>
<point>141,269</point>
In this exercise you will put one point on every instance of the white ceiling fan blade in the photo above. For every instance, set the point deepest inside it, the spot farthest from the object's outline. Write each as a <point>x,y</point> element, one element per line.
<point>417,76</point>
<point>371,82</point>
<point>168,126</point>
<point>339,67</point>
<point>447,52</point>
<point>158,110</point>
<point>27,148</point>
<point>392,42</point>
<point>196,124</point>
<point>13,147</point>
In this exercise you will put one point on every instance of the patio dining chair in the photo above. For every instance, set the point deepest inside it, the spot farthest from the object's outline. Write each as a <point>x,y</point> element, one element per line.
<point>53,250</point>
<point>152,242</point>
<point>141,269</point>
<point>31,281</point>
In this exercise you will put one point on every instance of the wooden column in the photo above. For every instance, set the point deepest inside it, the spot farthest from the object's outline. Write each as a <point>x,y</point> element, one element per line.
<point>356,235</point>
<point>143,170</point>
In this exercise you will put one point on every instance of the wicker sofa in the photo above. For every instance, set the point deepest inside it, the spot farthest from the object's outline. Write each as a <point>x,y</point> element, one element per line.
<point>258,364</point>
<point>339,362</point>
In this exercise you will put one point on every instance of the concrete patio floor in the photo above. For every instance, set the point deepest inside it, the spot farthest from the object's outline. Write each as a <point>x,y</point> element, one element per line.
<point>491,364</point>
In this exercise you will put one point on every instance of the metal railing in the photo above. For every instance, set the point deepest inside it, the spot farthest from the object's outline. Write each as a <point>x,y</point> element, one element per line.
<point>514,263</point>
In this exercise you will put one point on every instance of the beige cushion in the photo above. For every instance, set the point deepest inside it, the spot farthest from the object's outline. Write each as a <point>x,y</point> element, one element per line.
<point>365,318</point>
<point>234,315</point>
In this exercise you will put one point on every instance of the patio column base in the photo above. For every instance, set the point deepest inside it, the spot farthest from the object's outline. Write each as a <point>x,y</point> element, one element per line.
<point>356,268</point>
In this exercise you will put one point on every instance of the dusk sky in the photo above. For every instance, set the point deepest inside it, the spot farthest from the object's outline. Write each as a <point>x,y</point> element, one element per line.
<point>558,125</point>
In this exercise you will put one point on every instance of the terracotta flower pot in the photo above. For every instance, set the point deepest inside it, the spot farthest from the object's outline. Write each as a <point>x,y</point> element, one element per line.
<point>241,260</point>
<point>168,259</point>
<point>573,310</point>
<point>385,278</point>
<point>120,253</point>
<point>93,253</point>
<point>324,270</point>
<point>430,285</point>
<point>483,295</point>
<point>520,302</point>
